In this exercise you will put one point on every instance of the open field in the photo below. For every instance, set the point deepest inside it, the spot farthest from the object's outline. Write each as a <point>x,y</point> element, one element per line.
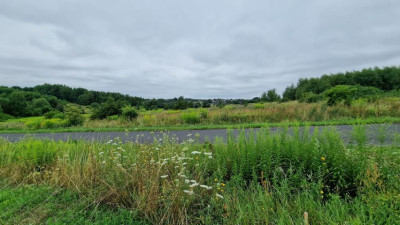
<point>383,110</point>
<point>261,178</point>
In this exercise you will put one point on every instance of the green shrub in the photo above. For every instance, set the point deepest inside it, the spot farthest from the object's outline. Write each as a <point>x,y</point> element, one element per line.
<point>190,117</point>
<point>311,97</point>
<point>73,115</point>
<point>53,123</point>
<point>49,115</point>
<point>259,105</point>
<point>34,124</point>
<point>129,113</point>
<point>203,113</point>
<point>113,117</point>
<point>340,93</point>
<point>5,117</point>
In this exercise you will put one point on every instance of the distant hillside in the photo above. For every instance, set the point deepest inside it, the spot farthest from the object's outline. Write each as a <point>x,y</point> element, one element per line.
<point>38,100</point>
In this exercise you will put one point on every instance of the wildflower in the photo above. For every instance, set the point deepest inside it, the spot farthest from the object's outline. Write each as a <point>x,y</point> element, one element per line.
<point>101,153</point>
<point>210,157</point>
<point>216,180</point>
<point>323,158</point>
<point>188,192</point>
<point>222,184</point>
<point>187,181</point>
<point>193,181</point>
<point>164,176</point>
<point>207,153</point>
<point>182,175</point>
<point>194,185</point>
<point>205,187</point>
<point>322,192</point>
<point>219,196</point>
<point>196,152</point>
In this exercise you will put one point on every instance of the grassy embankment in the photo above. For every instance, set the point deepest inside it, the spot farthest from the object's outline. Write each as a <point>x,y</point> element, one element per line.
<point>263,178</point>
<point>384,110</point>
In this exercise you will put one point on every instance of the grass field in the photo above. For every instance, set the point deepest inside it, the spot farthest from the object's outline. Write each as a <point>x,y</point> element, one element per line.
<point>384,110</point>
<point>259,179</point>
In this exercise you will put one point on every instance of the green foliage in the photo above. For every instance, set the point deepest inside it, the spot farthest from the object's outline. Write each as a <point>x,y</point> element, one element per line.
<point>289,94</point>
<point>129,113</point>
<point>203,113</point>
<point>108,108</point>
<point>73,115</point>
<point>271,96</point>
<point>40,106</point>
<point>340,93</point>
<point>386,79</point>
<point>40,204</point>
<point>310,97</point>
<point>251,178</point>
<point>190,117</point>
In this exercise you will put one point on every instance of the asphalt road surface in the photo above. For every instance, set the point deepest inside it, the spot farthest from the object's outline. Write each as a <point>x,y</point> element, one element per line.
<point>202,135</point>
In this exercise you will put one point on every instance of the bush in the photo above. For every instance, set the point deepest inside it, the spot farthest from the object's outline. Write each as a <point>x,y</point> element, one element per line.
<point>73,115</point>
<point>106,109</point>
<point>340,93</point>
<point>203,113</point>
<point>311,97</point>
<point>35,124</point>
<point>5,117</point>
<point>129,113</point>
<point>49,115</point>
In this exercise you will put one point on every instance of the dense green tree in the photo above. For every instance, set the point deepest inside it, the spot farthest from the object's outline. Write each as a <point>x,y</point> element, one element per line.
<point>40,106</point>
<point>340,93</point>
<point>290,93</point>
<point>129,113</point>
<point>264,97</point>
<point>73,115</point>
<point>272,96</point>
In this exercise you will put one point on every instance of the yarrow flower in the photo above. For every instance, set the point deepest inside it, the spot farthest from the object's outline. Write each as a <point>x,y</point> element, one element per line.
<point>164,176</point>
<point>194,185</point>
<point>195,152</point>
<point>188,192</point>
<point>206,187</point>
<point>219,196</point>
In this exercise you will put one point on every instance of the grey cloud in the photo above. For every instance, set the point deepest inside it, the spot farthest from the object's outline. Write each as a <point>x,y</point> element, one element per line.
<point>198,49</point>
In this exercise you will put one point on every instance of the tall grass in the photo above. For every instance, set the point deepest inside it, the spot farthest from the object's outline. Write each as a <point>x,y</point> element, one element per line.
<point>258,178</point>
<point>235,114</point>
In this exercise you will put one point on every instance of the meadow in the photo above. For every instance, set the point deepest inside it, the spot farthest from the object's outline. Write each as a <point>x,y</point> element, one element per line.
<point>261,178</point>
<point>381,110</point>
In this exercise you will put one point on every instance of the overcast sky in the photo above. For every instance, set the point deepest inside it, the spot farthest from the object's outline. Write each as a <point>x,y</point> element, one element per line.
<point>194,48</point>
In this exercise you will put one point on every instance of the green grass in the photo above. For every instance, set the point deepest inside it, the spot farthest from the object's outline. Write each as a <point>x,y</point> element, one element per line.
<point>349,121</point>
<point>40,204</point>
<point>261,178</point>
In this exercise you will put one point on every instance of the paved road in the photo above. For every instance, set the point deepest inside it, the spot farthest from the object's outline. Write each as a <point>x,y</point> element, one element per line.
<point>146,137</point>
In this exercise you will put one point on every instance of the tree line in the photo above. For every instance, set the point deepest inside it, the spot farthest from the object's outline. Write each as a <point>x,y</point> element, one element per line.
<point>41,99</point>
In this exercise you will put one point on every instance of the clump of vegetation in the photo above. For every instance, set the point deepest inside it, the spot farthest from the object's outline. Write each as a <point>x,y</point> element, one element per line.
<point>249,179</point>
<point>129,113</point>
<point>73,115</point>
<point>190,117</point>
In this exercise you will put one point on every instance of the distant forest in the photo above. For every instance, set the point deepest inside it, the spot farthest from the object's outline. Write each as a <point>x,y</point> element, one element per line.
<point>38,100</point>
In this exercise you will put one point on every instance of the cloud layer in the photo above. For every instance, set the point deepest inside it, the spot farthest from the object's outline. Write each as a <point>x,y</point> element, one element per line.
<point>198,49</point>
